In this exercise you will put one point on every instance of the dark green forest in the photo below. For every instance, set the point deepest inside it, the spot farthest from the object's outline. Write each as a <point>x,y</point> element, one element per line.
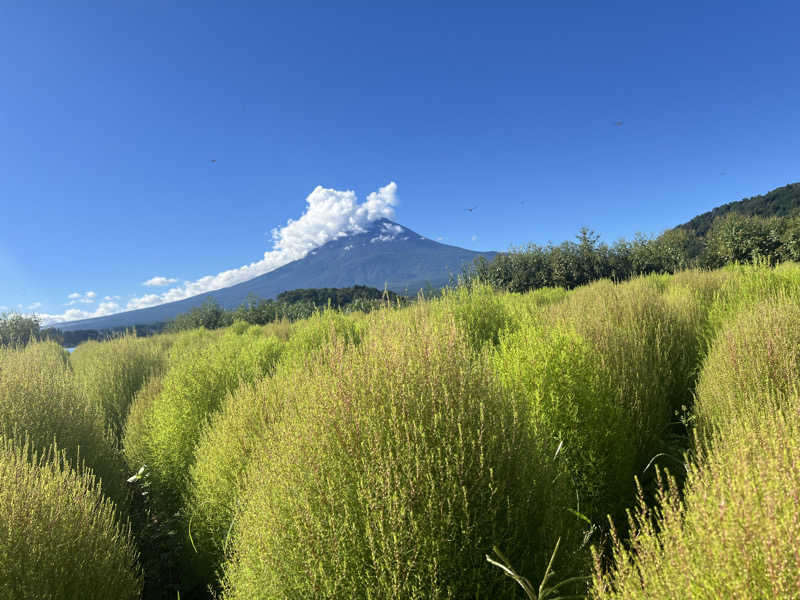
<point>780,202</point>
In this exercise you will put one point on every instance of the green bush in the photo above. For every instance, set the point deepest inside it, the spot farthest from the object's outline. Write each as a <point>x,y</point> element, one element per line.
<point>317,331</point>
<point>221,458</point>
<point>733,531</point>
<point>396,467</point>
<point>603,372</point>
<point>756,355</point>
<point>137,423</point>
<point>193,388</point>
<point>477,309</point>
<point>60,537</point>
<point>233,434</point>
<point>111,373</point>
<point>40,399</point>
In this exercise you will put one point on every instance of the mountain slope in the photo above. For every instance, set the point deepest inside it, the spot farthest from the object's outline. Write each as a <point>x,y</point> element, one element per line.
<point>780,202</point>
<point>387,254</point>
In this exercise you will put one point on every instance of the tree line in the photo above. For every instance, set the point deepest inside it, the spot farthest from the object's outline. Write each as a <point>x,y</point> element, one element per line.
<point>732,238</point>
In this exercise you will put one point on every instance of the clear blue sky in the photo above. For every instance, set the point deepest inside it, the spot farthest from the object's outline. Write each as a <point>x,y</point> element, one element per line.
<point>111,112</point>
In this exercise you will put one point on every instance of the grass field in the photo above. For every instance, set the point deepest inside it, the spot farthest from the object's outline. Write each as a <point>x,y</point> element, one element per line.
<point>648,430</point>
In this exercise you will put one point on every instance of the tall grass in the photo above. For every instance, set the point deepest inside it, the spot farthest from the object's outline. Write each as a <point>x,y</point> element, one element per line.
<point>756,356</point>
<point>735,533</point>
<point>192,389</point>
<point>395,468</point>
<point>40,399</point>
<point>60,537</point>
<point>603,372</point>
<point>137,424</point>
<point>111,373</point>
<point>478,310</point>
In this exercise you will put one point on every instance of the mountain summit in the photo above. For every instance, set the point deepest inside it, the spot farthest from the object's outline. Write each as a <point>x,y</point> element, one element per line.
<point>382,254</point>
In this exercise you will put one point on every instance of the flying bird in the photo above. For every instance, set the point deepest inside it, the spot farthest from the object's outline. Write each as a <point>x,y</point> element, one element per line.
<point>471,209</point>
<point>214,160</point>
<point>618,123</point>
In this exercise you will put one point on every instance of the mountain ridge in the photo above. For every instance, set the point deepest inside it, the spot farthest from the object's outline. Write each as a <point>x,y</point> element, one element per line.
<point>783,201</point>
<point>385,254</point>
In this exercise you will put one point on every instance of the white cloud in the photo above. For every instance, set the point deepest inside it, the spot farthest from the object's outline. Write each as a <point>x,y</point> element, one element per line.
<point>75,314</point>
<point>329,214</point>
<point>3,308</point>
<point>474,237</point>
<point>159,281</point>
<point>87,298</point>
<point>110,298</point>
<point>144,302</point>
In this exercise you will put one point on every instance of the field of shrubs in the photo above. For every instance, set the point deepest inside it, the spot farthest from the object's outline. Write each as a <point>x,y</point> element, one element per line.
<point>631,440</point>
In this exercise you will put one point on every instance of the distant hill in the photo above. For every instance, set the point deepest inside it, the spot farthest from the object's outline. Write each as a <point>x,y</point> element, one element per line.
<point>386,254</point>
<point>780,202</point>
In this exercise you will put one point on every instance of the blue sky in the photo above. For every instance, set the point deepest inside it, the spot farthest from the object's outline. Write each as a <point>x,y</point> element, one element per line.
<point>111,113</point>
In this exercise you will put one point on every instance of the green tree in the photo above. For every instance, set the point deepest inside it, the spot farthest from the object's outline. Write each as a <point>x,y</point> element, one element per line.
<point>18,330</point>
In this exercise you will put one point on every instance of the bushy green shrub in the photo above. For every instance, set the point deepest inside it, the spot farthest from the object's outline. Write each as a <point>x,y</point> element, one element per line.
<point>221,458</point>
<point>396,467</point>
<point>603,372</point>
<point>318,330</point>
<point>236,431</point>
<point>111,372</point>
<point>746,285</point>
<point>40,399</point>
<point>193,388</point>
<point>478,309</point>
<point>757,355</point>
<point>60,537</point>
<point>137,424</point>
<point>733,531</point>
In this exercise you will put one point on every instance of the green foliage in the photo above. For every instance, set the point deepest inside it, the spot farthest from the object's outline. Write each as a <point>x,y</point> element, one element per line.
<point>137,424</point>
<point>757,355</point>
<point>192,389</point>
<point>221,459</point>
<point>292,305</point>
<point>733,531</point>
<point>336,297</point>
<point>18,330</point>
<point>60,537</point>
<point>396,466</point>
<point>478,310</point>
<point>780,202</point>
<point>210,315</point>
<point>40,399</point>
<point>736,238</point>
<point>316,332</point>
<point>573,264</point>
<point>111,373</point>
<point>603,372</point>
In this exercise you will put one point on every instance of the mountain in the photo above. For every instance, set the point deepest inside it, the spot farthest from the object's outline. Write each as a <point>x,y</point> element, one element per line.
<point>386,254</point>
<point>780,202</point>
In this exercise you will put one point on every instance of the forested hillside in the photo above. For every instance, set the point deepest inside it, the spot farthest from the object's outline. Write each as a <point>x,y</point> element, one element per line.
<point>780,202</point>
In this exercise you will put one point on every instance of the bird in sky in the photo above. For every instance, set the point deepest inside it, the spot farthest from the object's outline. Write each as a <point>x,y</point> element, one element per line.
<point>471,209</point>
<point>618,123</point>
<point>214,160</point>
